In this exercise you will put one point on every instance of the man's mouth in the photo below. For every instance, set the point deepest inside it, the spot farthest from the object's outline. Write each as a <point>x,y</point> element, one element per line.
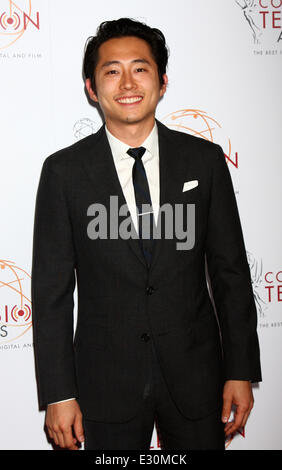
<point>129,99</point>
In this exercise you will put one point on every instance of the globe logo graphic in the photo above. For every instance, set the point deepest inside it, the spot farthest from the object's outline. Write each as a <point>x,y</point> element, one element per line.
<point>15,305</point>
<point>84,127</point>
<point>251,11</point>
<point>197,122</point>
<point>12,22</point>
<point>256,277</point>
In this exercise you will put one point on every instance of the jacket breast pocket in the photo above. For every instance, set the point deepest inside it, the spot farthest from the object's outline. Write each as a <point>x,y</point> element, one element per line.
<point>190,185</point>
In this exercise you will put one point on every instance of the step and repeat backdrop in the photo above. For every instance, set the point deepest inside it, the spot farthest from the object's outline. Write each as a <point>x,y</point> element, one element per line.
<point>225,76</point>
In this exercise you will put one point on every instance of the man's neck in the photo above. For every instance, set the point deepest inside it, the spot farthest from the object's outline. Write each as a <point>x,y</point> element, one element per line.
<point>131,134</point>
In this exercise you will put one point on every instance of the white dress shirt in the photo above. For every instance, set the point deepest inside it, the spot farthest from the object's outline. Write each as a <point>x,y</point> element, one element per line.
<point>124,164</point>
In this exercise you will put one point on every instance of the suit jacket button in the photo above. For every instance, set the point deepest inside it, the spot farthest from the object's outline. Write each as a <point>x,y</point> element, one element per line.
<point>145,337</point>
<point>150,290</point>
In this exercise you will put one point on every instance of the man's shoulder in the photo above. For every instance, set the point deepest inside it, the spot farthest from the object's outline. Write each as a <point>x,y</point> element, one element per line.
<point>193,144</point>
<point>73,155</point>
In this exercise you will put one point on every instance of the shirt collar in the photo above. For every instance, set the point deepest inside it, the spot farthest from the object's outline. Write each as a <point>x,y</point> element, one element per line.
<point>119,148</point>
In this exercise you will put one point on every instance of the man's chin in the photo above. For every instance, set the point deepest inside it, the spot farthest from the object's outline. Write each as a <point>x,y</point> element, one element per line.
<point>134,119</point>
<point>131,119</point>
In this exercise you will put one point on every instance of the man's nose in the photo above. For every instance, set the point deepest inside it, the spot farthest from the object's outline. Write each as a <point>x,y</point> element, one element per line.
<point>127,81</point>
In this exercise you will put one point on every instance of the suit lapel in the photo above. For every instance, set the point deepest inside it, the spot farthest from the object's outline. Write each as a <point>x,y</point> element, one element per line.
<point>100,167</point>
<point>168,182</point>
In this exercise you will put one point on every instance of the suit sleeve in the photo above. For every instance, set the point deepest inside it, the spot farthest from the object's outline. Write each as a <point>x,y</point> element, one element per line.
<point>230,279</point>
<point>52,287</point>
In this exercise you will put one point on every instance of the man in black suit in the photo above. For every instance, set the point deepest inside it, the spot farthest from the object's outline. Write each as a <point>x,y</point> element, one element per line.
<point>148,345</point>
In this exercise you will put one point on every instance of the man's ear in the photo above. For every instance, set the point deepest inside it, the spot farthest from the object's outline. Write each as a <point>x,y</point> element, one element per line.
<point>164,85</point>
<point>91,93</point>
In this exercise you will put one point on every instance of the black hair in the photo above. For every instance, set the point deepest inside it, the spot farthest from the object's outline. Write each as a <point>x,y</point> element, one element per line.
<point>121,28</point>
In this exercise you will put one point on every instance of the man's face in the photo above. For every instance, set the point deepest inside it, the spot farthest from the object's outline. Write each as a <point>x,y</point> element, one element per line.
<point>127,81</point>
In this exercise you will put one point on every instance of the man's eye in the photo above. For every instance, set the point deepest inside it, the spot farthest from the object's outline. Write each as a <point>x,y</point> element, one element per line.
<point>111,72</point>
<point>140,69</point>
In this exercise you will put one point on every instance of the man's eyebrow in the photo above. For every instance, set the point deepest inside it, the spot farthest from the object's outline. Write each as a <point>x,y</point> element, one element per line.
<point>142,61</point>
<point>112,62</point>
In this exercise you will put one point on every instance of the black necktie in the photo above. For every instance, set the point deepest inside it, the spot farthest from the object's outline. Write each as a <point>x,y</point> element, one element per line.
<point>142,196</point>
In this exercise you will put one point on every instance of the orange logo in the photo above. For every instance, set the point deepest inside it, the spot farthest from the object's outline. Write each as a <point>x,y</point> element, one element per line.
<point>15,18</point>
<point>15,306</point>
<point>198,123</point>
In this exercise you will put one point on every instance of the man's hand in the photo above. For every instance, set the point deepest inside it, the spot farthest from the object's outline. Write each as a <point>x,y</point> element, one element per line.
<point>240,394</point>
<point>60,418</point>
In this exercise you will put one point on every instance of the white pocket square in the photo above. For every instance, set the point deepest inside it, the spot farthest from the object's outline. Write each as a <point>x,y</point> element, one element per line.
<point>190,185</point>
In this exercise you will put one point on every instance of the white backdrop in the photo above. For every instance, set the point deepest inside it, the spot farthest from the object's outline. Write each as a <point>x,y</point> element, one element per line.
<point>224,85</point>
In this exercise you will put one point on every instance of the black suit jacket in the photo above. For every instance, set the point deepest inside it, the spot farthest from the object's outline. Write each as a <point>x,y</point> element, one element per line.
<point>120,300</point>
